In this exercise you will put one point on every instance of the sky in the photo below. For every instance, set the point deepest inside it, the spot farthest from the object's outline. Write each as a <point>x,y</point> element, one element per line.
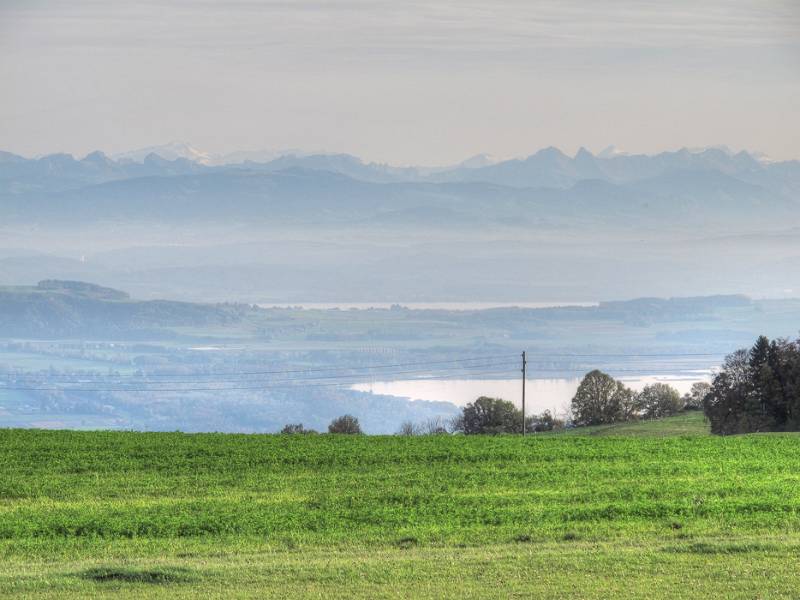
<point>427,83</point>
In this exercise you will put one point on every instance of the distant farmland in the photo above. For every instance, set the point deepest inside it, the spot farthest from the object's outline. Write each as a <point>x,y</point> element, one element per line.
<point>170,514</point>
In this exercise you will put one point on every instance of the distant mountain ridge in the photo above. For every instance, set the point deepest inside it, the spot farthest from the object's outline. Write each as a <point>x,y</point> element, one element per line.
<point>548,167</point>
<point>713,188</point>
<point>305,198</point>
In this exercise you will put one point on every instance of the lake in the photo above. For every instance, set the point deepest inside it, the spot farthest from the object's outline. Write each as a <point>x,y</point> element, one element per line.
<point>540,394</point>
<point>421,305</point>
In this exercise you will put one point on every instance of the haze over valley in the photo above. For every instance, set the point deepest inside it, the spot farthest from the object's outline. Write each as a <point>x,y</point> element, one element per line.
<point>78,355</point>
<point>332,228</point>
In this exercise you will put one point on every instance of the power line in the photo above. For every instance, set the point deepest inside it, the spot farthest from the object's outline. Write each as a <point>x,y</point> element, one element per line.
<point>296,383</point>
<point>610,369</point>
<point>655,355</point>
<point>644,369</point>
<point>138,381</point>
<point>322,369</point>
<point>395,365</point>
<point>319,369</point>
<point>292,383</point>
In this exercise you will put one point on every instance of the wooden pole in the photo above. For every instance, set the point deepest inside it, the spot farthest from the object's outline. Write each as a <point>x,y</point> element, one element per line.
<point>524,367</point>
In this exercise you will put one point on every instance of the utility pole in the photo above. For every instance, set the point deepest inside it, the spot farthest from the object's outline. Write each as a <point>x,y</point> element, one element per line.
<point>524,366</point>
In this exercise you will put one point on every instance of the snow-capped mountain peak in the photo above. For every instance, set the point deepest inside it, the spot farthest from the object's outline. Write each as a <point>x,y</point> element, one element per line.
<point>611,152</point>
<point>169,151</point>
<point>478,161</point>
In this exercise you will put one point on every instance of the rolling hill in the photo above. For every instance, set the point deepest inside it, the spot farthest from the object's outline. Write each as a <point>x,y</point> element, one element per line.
<point>64,309</point>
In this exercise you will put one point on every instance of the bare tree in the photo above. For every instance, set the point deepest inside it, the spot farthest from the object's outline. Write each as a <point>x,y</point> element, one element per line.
<point>434,426</point>
<point>408,428</point>
<point>296,428</point>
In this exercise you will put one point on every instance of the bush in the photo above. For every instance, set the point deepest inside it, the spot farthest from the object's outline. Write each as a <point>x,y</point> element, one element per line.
<point>544,422</point>
<point>296,428</point>
<point>347,424</point>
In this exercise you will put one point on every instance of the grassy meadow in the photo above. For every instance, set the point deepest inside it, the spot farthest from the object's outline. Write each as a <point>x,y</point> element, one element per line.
<point>635,511</point>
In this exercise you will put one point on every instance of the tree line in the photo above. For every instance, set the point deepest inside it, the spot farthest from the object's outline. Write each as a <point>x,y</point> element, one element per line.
<point>756,389</point>
<point>485,416</point>
<point>602,400</point>
<point>346,424</point>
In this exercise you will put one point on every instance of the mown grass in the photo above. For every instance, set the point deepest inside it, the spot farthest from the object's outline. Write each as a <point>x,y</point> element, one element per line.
<point>152,514</point>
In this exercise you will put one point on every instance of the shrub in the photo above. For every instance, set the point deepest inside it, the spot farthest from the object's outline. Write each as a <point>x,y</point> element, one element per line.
<point>345,424</point>
<point>544,422</point>
<point>296,428</point>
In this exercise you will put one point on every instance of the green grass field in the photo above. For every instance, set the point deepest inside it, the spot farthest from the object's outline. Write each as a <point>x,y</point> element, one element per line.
<point>640,513</point>
<point>687,423</point>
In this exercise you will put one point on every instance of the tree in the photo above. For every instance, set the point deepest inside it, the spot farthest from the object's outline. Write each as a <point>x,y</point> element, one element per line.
<point>347,424</point>
<point>762,379</point>
<point>544,422</point>
<point>492,416</point>
<point>296,428</point>
<point>693,400</point>
<point>727,403</point>
<point>757,389</point>
<point>659,400</point>
<point>433,426</point>
<point>408,428</point>
<point>455,424</point>
<point>630,407</point>
<point>602,399</point>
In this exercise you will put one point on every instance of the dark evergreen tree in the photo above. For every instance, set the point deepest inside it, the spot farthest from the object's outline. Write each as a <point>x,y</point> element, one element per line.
<point>757,390</point>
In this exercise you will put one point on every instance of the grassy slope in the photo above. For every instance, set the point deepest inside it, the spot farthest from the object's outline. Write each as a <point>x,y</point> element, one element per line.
<point>688,423</point>
<point>573,516</point>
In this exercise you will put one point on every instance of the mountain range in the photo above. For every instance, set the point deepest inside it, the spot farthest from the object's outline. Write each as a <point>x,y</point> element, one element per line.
<point>546,188</point>
<point>547,167</point>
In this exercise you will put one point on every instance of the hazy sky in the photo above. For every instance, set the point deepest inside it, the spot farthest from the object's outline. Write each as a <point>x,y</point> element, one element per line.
<point>401,82</point>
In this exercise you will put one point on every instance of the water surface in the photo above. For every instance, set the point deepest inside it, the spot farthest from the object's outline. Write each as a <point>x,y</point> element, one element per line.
<point>421,305</point>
